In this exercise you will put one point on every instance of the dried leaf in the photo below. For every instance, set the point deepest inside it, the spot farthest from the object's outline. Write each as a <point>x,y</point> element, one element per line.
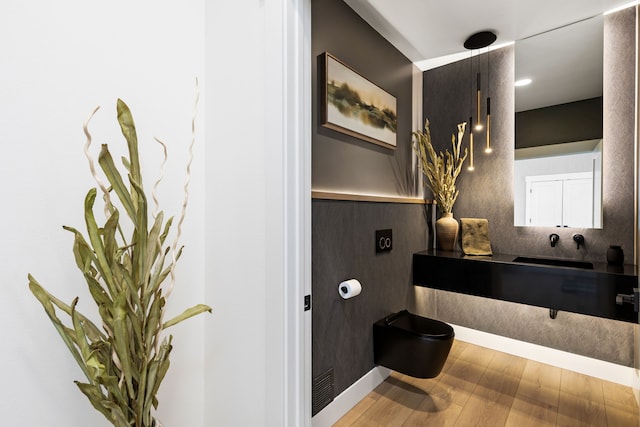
<point>128,128</point>
<point>68,339</point>
<point>190,312</point>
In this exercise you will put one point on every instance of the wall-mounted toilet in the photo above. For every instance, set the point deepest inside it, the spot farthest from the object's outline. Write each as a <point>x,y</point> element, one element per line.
<point>411,344</point>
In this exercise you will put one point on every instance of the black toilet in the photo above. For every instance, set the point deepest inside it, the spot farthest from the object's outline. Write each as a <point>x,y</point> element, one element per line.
<point>411,344</point>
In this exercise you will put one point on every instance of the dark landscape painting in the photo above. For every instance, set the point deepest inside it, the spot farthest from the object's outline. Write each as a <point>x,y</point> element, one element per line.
<point>355,106</point>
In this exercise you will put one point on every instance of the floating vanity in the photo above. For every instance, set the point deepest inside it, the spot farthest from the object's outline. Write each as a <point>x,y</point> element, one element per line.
<point>588,288</point>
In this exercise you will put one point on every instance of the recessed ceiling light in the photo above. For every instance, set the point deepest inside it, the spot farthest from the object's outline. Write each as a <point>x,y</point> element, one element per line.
<point>522,82</point>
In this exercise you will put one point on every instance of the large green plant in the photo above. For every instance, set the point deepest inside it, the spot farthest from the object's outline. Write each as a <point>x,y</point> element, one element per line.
<point>125,358</point>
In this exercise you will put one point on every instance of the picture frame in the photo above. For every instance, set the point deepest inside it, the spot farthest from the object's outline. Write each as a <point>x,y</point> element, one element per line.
<point>353,105</point>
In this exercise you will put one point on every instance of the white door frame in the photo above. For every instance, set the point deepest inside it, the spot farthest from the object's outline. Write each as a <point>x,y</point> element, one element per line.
<point>295,45</point>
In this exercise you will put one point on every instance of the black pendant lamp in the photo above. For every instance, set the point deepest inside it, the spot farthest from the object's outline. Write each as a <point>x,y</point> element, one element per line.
<point>476,41</point>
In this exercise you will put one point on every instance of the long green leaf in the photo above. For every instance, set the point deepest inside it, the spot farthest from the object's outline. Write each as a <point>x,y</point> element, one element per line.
<point>42,296</point>
<point>128,128</point>
<point>121,340</point>
<point>140,249</point>
<point>93,329</point>
<point>152,378</point>
<point>95,397</point>
<point>110,383</point>
<point>81,341</point>
<point>115,179</point>
<point>118,416</point>
<point>83,254</point>
<point>163,358</point>
<point>154,247</point>
<point>109,230</point>
<point>157,281</point>
<point>96,241</point>
<point>190,312</point>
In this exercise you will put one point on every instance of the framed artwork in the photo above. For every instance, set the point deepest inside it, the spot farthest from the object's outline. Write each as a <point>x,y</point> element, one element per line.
<point>353,105</point>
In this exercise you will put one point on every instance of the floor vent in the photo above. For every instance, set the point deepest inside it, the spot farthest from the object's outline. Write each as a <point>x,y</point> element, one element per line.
<point>322,391</point>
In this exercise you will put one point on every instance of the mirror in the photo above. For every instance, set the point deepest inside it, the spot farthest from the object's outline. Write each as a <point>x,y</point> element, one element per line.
<point>558,153</point>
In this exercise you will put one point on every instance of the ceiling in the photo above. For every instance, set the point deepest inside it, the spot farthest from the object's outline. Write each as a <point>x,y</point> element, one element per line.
<point>431,33</point>
<point>432,30</point>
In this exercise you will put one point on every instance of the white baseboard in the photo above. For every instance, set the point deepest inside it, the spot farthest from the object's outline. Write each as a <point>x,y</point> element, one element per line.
<point>350,397</point>
<point>608,371</point>
<point>573,362</point>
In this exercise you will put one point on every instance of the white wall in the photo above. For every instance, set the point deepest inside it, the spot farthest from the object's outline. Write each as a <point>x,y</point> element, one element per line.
<point>235,352</point>
<point>59,60</point>
<point>243,365</point>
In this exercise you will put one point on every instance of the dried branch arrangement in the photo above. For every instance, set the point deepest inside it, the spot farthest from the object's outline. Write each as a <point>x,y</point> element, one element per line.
<point>442,169</point>
<point>125,359</point>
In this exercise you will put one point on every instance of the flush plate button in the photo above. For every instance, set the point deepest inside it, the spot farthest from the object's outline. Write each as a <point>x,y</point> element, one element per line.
<point>384,240</point>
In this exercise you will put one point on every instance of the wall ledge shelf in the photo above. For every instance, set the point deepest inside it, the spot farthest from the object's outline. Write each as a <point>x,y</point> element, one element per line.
<point>330,195</point>
<point>591,292</point>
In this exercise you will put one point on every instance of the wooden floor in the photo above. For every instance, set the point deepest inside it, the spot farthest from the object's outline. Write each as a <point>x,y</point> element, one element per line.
<point>482,387</point>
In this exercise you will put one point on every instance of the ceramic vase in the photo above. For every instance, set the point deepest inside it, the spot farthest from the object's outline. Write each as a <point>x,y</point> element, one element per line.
<point>447,231</point>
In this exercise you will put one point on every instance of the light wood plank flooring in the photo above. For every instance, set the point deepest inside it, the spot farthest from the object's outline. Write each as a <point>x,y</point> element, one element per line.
<point>483,387</point>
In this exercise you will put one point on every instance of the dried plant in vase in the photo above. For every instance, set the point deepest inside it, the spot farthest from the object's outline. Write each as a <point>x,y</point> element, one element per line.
<point>126,357</point>
<point>441,171</point>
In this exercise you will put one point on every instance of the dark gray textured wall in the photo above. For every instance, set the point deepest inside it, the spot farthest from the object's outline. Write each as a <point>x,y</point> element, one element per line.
<point>344,163</point>
<point>344,232</point>
<point>343,247</point>
<point>487,193</point>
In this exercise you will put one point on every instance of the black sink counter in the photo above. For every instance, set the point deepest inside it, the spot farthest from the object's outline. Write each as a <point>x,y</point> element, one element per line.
<point>586,291</point>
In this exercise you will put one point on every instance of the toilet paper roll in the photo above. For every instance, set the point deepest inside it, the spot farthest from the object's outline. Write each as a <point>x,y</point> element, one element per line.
<point>349,288</point>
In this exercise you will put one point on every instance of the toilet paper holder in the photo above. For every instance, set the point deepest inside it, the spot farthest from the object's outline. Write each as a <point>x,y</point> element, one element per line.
<point>349,288</point>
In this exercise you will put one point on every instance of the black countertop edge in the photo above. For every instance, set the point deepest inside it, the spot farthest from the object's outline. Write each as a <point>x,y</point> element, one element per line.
<point>598,267</point>
<point>593,292</point>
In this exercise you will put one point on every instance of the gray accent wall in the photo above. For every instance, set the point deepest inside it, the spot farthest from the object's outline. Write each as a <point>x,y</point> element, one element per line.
<point>343,233</point>
<point>344,163</point>
<point>343,248</point>
<point>487,193</point>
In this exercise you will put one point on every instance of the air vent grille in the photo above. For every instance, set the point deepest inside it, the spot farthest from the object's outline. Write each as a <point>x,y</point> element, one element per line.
<point>322,391</point>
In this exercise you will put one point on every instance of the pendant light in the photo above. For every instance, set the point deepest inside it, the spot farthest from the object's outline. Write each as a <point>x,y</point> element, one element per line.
<point>478,41</point>
<point>471,167</point>
<point>478,97</point>
<point>487,148</point>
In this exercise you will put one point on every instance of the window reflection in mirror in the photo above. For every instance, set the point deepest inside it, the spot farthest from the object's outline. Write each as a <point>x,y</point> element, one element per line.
<point>558,164</point>
<point>559,185</point>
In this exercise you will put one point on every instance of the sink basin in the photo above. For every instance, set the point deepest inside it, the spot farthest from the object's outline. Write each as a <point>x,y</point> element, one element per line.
<point>555,262</point>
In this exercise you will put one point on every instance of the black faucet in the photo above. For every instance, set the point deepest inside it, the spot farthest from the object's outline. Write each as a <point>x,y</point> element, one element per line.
<point>579,239</point>
<point>553,238</point>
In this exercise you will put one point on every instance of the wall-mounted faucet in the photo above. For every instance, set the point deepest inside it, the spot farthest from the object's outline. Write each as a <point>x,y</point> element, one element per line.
<point>553,238</point>
<point>579,239</point>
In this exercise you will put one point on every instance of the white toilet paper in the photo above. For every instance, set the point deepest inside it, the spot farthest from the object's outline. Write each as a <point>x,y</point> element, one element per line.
<point>349,288</point>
